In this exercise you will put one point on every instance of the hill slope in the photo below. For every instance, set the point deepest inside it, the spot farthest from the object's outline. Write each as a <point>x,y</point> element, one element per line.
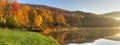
<point>112,14</point>
<point>79,18</point>
<point>8,37</point>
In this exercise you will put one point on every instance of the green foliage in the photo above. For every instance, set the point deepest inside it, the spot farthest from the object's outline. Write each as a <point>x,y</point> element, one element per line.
<point>24,38</point>
<point>13,22</point>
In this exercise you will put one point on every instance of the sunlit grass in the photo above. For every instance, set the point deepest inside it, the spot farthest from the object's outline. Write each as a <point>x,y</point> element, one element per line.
<point>8,37</point>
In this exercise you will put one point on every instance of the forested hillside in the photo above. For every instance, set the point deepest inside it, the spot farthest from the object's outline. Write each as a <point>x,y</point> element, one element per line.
<point>80,18</point>
<point>43,18</point>
<point>112,14</point>
<point>115,15</point>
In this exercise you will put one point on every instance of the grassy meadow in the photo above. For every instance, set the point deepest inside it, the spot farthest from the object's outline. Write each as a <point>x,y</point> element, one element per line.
<point>9,37</point>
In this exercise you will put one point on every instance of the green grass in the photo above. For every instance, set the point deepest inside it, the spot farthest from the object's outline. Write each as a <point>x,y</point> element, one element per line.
<point>8,37</point>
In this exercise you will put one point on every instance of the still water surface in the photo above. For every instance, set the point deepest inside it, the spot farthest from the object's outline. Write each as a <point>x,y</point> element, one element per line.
<point>111,41</point>
<point>100,42</point>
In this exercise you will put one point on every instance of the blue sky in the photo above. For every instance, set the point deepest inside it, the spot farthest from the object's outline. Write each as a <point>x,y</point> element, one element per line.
<point>94,6</point>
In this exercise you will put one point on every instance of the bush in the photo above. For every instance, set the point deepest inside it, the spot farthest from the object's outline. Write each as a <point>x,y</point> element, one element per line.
<point>13,22</point>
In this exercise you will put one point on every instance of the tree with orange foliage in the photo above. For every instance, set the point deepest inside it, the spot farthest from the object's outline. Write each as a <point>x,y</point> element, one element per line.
<point>2,3</point>
<point>47,17</point>
<point>22,15</point>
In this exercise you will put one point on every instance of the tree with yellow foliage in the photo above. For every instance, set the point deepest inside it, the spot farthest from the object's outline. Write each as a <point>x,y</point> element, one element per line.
<point>38,21</point>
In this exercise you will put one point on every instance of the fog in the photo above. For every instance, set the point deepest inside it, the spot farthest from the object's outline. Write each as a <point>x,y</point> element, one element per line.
<point>100,42</point>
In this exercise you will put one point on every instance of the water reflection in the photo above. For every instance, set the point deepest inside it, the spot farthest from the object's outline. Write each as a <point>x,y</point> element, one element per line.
<point>117,35</point>
<point>100,42</point>
<point>84,35</point>
<point>114,37</point>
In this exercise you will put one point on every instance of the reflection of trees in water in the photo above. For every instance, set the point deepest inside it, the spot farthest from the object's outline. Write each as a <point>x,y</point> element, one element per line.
<point>84,35</point>
<point>88,35</point>
<point>114,37</point>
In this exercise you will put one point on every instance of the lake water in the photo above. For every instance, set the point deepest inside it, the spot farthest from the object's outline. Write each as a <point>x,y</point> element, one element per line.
<point>100,42</point>
<point>85,35</point>
<point>110,40</point>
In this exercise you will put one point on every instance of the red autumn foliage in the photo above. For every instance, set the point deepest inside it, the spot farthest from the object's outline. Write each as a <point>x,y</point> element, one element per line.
<point>15,5</point>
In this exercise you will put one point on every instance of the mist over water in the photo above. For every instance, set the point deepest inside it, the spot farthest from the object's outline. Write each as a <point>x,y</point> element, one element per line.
<point>100,42</point>
<point>112,39</point>
<point>103,41</point>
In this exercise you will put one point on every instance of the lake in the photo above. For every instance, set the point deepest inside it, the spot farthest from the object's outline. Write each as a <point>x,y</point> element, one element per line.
<point>100,42</point>
<point>95,36</point>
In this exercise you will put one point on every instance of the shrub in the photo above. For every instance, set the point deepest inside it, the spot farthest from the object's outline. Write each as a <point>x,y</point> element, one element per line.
<point>13,22</point>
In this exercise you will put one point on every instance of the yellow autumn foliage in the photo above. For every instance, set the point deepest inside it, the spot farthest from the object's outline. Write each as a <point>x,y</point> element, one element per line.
<point>38,20</point>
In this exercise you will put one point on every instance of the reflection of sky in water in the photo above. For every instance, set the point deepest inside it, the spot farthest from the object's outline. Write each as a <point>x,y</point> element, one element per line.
<point>117,18</point>
<point>101,42</point>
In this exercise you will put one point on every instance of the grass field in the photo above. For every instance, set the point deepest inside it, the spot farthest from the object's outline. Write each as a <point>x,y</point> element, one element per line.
<point>9,37</point>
